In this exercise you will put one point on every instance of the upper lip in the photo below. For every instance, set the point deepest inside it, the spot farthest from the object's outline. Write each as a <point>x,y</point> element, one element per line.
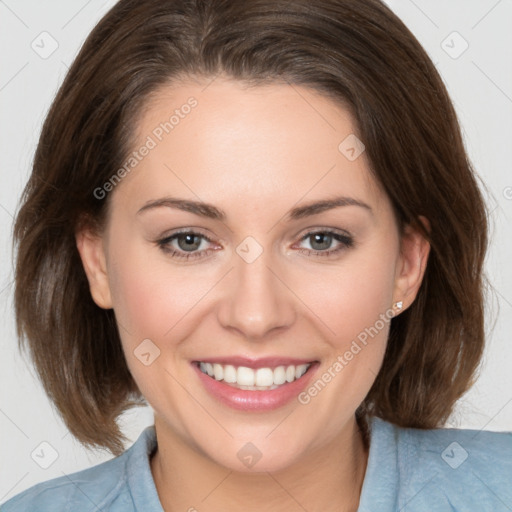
<point>262,362</point>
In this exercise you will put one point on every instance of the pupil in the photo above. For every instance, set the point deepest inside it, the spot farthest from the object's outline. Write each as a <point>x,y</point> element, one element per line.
<point>322,237</point>
<point>189,245</point>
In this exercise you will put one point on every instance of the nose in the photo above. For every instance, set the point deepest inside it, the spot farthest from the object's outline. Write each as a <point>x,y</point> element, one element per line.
<point>256,300</point>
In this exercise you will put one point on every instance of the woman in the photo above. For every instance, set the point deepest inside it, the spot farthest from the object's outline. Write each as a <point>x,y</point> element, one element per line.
<point>259,217</point>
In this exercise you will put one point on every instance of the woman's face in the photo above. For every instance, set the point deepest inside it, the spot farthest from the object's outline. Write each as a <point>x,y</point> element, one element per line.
<point>259,277</point>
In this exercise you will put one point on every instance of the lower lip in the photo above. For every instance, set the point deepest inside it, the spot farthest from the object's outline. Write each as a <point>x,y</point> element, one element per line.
<point>247,400</point>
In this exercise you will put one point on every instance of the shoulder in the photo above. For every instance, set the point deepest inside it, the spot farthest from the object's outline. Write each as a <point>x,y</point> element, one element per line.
<point>92,487</point>
<point>454,469</point>
<point>105,486</point>
<point>461,454</point>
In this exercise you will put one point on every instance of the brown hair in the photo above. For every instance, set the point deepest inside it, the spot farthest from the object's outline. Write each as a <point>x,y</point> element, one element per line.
<point>356,52</point>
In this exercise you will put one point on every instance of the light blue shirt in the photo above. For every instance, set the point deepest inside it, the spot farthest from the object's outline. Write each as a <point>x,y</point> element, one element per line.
<point>409,470</point>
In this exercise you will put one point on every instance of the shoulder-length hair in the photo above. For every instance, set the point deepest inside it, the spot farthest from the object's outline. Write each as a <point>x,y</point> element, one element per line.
<point>359,54</point>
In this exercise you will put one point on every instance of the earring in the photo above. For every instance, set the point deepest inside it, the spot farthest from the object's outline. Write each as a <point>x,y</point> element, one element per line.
<point>398,305</point>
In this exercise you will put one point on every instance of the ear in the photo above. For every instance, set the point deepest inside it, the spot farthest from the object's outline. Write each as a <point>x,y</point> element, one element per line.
<point>92,253</point>
<point>411,265</point>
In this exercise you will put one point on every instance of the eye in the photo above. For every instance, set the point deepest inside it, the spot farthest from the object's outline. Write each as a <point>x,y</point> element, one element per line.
<point>185,245</point>
<point>189,244</point>
<point>321,241</point>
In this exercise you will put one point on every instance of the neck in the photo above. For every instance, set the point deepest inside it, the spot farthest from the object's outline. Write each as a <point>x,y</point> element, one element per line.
<point>328,479</point>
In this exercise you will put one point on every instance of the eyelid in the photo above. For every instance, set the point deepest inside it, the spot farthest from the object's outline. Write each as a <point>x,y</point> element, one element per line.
<point>323,229</point>
<point>186,231</point>
<point>344,239</point>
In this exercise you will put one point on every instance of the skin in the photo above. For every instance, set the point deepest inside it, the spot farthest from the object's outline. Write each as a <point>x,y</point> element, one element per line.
<point>255,153</point>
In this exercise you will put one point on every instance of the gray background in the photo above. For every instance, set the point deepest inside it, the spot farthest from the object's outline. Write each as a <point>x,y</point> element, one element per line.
<point>479,80</point>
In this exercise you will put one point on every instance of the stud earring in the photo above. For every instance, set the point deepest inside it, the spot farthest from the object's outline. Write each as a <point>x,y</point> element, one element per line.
<point>398,305</point>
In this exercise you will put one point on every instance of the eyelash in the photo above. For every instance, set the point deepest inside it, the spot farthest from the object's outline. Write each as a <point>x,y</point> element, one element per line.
<point>346,242</point>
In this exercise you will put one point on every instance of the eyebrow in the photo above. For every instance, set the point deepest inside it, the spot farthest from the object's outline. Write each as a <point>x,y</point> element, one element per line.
<point>212,212</point>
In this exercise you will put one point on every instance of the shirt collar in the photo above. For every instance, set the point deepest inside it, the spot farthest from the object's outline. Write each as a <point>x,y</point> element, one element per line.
<point>140,479</point>
<point>382,471</point>
<point>379,485</point>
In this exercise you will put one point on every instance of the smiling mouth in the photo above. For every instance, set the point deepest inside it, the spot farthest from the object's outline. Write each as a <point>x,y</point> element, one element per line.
<point>260,379</point>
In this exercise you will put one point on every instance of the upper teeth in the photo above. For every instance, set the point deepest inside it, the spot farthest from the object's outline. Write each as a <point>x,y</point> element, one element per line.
<point>260,377</point>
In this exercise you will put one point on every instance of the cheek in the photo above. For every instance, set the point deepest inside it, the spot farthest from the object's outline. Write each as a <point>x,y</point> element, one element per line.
<point>155,298</point>
<point>354,302</point>
<point>150,303</point>
<point>356,307</point>
<point>150,297</point>
<point>352,296</point>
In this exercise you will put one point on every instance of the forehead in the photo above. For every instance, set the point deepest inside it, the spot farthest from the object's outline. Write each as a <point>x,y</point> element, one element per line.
<point>223,141</point>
